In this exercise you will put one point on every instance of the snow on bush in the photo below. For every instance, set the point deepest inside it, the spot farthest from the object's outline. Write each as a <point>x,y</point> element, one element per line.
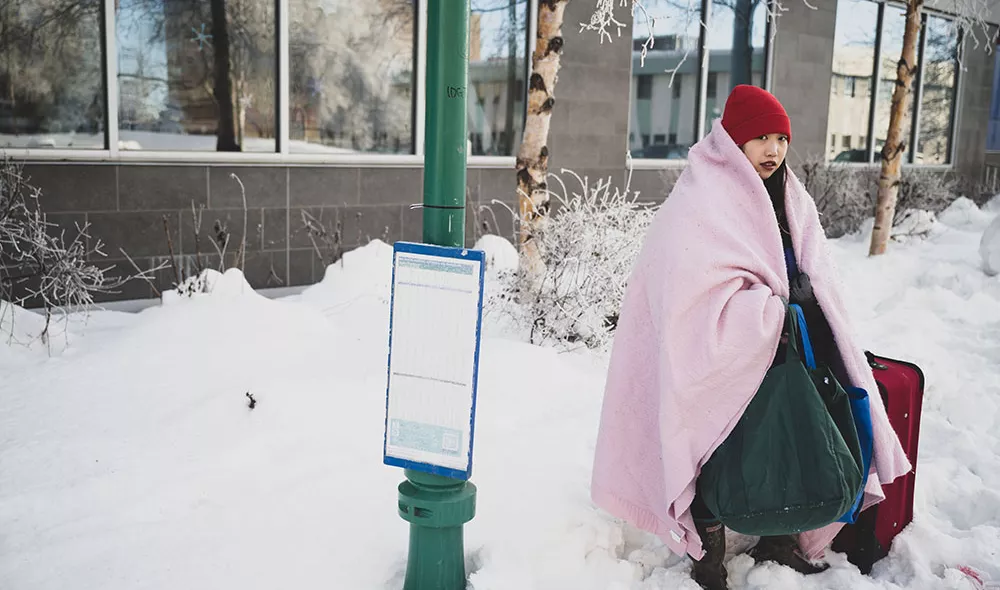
<point>989,248</point>
<point>914,224</point>
<point>501,255</point>
<point>230,284</point>
<point>589,246</point>
<point>362,273</point>
<point>27,329</point>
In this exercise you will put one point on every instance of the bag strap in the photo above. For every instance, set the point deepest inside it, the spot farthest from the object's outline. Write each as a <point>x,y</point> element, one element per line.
<point>791,265</point>
<point>799,321</point>
<point>791,332</point>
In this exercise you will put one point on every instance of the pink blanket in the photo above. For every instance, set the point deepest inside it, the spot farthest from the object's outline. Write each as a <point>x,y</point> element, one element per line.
<point>699,327</point>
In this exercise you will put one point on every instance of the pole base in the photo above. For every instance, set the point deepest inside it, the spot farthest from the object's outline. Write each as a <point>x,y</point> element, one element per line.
<point>436,508</point>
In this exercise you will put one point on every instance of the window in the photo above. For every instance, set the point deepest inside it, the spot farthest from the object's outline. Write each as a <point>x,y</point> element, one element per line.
<point>196,75</point>
<point>351,76</point>
<point>847,142</point>
<point>854,59</point>
<point>713,84</point>
<point>672,138</point>
<point>938,85</point>
<point>497,67</point>
<point>51,76</point>
<point>659,139</point>
<point>669,64</point>
<point>644,87</point>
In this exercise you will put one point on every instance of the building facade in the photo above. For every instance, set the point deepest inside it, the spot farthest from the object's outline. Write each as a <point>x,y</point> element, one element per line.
<point>134,117</point>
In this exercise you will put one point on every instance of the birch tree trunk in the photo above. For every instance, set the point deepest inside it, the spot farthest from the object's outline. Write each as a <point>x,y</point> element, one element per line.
<point>895,143</point>
<point>533,154</point>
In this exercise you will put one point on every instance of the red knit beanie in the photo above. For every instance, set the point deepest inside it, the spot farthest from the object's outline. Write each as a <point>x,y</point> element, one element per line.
<point>752,112</point>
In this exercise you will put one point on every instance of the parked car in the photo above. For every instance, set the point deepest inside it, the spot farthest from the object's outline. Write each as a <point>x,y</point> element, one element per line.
<point>859,155</point>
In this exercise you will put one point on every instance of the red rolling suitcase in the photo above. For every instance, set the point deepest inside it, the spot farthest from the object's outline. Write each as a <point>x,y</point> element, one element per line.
<point>901,385</point>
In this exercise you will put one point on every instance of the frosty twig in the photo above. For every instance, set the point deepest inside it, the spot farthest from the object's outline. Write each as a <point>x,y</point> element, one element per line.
<point>42,265</point>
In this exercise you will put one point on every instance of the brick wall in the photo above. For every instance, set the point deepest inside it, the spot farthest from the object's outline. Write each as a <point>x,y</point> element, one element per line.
<point>126,205</point>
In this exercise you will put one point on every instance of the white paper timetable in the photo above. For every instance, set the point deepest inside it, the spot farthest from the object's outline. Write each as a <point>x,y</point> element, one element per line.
<point>433,356</point>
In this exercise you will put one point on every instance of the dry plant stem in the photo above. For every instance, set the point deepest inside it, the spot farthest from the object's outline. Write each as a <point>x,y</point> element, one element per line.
<point>170,249</point>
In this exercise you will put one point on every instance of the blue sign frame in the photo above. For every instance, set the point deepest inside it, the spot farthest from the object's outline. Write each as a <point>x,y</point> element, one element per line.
<point>465,254</point>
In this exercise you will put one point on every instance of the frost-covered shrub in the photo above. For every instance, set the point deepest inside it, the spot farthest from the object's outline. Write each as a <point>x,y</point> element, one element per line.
<point>588,245</point>
<point>925,190</point>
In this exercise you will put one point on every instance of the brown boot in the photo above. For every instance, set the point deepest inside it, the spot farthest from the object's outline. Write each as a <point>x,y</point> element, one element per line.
<point>710,572</point>
<point>784,550</point>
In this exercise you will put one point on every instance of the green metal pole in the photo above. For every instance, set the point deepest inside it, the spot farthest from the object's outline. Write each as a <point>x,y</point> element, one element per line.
<point>437,507</point>
<point>446,140</point>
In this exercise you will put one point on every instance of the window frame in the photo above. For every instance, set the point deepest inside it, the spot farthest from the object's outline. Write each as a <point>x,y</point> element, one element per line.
<point>281,155</point>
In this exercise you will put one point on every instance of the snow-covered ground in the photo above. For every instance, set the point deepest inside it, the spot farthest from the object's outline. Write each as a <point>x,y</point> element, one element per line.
<point>130,460</point>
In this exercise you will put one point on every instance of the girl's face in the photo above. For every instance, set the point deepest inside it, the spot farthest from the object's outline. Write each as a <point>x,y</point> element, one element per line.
<point>766,153</point>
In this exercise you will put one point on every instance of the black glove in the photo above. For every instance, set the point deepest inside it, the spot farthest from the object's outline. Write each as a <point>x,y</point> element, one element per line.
<point>801,291</point>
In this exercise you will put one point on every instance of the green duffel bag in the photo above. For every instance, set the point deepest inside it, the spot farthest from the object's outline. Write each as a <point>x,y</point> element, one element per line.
<point>787,467</point>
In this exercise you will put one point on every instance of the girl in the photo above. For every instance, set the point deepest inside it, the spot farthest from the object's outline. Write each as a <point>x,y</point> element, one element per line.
<point>700,326</point>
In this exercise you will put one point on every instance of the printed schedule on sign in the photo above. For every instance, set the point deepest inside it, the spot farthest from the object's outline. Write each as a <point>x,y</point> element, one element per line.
<point>436,315</point>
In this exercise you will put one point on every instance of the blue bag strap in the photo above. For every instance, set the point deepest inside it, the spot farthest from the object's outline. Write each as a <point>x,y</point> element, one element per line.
<point>861,410</point>
<point>807,348</point>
